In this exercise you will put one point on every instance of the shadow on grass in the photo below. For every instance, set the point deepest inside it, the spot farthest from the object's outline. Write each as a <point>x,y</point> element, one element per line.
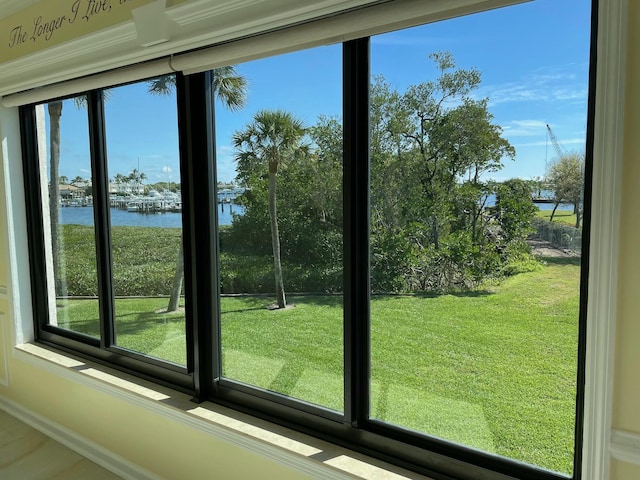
<point>337,300</point>
<point>132,322</point>
<point>460,294</point>
<point>561,261</point>
<point>317,299</point>
<point>143,321</point>
<point>243,310</point>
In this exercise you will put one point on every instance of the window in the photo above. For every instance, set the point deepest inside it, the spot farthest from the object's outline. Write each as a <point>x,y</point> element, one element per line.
<point>64,228</point>
<point>354,239</point>
<point>297,156</point>
<point>107,288</point>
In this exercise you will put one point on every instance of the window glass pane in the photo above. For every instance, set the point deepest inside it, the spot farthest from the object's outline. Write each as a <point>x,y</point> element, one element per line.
<point>146,219</point>
<point>279,171</point>
<point>475,293</point>
<point>68,212</point>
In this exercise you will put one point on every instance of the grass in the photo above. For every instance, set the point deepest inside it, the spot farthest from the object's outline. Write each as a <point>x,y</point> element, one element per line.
<point>561,216</point>
<point>493,369</point>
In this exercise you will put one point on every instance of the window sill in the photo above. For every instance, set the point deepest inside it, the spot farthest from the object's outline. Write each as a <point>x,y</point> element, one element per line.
<point>303,453</point>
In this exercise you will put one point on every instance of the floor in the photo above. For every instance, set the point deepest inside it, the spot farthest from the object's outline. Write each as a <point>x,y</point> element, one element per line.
<point>26,454</point>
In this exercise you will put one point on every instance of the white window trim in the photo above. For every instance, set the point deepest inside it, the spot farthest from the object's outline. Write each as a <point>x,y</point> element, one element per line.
<point>604,238</point>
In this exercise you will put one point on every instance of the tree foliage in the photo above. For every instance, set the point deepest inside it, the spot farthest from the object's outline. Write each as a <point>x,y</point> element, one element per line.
<point>566,178</point>
<point>269,143</point>
<point>431,228</point>
<point>231,89</point>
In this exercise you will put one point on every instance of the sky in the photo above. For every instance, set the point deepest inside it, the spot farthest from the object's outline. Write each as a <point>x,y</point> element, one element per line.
<point>534,60</point>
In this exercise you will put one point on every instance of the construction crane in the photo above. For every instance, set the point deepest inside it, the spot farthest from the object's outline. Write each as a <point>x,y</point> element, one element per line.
<point>554,141</point>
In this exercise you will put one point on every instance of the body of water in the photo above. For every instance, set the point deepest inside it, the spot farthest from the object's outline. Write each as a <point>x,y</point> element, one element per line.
<point>84,215</point>
<point>119,218</point>
<point>491,201</point>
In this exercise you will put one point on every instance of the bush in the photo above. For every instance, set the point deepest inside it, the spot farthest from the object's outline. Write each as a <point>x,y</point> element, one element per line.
<point>244,273</point>
<point>518,259</point>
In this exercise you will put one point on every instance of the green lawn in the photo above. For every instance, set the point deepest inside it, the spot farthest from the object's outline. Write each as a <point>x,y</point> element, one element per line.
<point>493,369</point>
<point>561,216</point>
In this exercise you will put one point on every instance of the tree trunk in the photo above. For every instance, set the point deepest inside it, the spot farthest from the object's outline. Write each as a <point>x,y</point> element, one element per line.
<point>275,241</point>
<point>55,112</point>
<point>435,232</point>
<point>577,212</point>
<point>553,212</point>
<point>176,288</point>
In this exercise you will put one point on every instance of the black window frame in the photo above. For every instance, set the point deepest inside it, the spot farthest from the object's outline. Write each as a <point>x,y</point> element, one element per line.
<point>437,458</point>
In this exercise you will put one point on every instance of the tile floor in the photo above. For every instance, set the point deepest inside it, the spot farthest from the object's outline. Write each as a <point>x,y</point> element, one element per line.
<point>26,454</point>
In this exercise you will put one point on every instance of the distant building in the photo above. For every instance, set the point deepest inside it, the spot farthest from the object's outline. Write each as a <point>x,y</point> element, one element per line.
<point>68,192</point>
<point>126,188</point>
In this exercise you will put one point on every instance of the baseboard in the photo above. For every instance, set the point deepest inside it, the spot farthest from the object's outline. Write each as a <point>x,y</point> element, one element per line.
<point>625,446</point>
<point>88,449</point>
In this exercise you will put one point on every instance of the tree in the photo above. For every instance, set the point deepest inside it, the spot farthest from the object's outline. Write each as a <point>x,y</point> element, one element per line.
<point>119,178</point>
<point>55,112</point>
<point>566,178</point>
<point>431,229</point>
<point>272,139</point>
<point>431,145</point>
<point>424,142</point>
<point>515,209</point>
<point>230,88</point>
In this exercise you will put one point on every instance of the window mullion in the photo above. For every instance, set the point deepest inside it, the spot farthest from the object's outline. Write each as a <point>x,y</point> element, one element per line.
<point>356,230</point>
<point>28,134</point>
<point>195,120</point>
<point>100,181</point>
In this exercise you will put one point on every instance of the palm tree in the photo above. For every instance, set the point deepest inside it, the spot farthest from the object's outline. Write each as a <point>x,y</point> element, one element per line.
<point>55,112</point>
<point>230,88</point>
<point>274,137</point>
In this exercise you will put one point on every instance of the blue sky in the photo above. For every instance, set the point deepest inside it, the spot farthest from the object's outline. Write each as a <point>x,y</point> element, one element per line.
<point>533,58</point>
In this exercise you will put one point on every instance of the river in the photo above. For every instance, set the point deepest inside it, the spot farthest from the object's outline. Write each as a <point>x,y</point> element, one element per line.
<point>120,218</point>
<point>84,215</point>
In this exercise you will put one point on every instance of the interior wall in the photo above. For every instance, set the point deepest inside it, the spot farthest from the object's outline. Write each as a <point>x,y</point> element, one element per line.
<point>626,394</point>
<point>624,471</point>
<point>156,444</point>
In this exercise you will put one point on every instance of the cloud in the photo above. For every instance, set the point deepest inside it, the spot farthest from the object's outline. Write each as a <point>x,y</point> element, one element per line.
<point>524,128</point>
<point>167,169</point>
<point>551,85</point>
<point>572,141</point>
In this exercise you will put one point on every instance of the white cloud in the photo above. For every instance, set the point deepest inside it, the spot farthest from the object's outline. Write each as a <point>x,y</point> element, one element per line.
<point>540,86</point>
<point>524,128</point>
<point>572,141</point>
